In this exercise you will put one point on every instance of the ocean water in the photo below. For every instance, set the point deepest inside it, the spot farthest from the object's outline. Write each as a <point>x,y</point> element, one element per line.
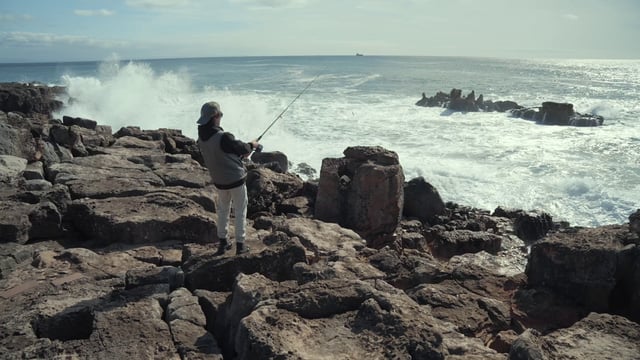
<point>586,176</point>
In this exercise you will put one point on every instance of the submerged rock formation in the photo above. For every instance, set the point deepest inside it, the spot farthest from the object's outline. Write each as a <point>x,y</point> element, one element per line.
<point>109,253</point>
<point>550,113</point>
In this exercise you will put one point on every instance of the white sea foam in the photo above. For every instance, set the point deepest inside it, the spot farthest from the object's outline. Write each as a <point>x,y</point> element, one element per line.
<point>588,176</point>
<point>129,94</point>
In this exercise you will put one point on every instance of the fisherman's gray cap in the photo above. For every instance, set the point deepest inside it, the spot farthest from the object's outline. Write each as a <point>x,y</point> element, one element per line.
<point>207,111</point>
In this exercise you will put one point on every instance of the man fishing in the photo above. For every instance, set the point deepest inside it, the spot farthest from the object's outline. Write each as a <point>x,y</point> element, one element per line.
<point>223,156</point>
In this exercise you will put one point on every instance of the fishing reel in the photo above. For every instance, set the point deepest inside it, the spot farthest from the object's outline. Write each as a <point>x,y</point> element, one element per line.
<point>258,148</point>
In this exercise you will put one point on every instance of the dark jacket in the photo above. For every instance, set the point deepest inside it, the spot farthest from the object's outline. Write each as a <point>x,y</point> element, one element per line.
<point>222,156</point>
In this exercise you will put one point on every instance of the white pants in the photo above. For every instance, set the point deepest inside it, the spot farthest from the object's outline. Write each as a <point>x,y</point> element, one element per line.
<point>238,198</point>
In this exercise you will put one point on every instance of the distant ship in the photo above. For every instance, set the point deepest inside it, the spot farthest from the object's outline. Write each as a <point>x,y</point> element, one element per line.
<point>358,54</point>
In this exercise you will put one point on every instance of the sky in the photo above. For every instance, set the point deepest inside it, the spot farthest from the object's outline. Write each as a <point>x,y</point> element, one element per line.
<point>81,30</point>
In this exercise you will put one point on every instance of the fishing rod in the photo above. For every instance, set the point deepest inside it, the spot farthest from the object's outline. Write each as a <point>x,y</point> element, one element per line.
<point>283,111</point>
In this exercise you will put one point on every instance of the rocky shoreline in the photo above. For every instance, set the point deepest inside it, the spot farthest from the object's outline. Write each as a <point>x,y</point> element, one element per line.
<point>549,113</point>
<point>107,250</point>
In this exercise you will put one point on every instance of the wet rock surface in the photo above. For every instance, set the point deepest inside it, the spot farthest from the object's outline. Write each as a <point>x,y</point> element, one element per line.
<point>549,113</point>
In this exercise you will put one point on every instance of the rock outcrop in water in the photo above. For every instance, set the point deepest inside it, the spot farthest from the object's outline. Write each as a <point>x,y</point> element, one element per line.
<point>108,252</point>
<point>550,113</point>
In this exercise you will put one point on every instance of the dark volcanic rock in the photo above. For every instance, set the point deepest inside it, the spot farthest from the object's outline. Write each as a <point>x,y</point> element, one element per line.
<point>29,98</point>
<point>594,337</point>
<point>597,268</point>
<point>550,113</point>
<point>362,191</point>
<point>451,285</point>
<point>422,201</point>
<point>155,217</point>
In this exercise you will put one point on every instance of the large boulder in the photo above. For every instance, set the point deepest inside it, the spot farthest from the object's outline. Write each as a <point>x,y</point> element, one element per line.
<point>634,222</point>
<point>528,225</point>
<point>597,336</point>
<point>267,189</point>
<point>422,201</point>
<point>551,113</point>
<point>211,272</point>
<point>11,167</point>
<point>150,218</point>
<point>334,317</point>
<point>597,268</point>
<point>460,103</point>
<point>362,191</point>
<point>22,222</point>
<point>554,113</point>
<point>273,159</point>
<point>445,244</point>
<point>29,98</point>
<point>18,142</point>
<point>102,176</point>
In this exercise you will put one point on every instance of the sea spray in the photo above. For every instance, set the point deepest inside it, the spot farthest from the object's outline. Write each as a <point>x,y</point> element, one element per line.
<point>129,94</point>
<point>587,176</point>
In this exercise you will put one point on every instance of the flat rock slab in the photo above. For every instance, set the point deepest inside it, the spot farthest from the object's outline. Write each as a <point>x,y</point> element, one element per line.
<point>150,218</point>
<point>6,294</point>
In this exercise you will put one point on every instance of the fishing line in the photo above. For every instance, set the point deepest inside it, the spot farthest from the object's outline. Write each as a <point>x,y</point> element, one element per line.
<point>287,108</point>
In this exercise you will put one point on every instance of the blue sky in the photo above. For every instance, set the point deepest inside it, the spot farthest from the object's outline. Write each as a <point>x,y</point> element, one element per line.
<point>69,30</point>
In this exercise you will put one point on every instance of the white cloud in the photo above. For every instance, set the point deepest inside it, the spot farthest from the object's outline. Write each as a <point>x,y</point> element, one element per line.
<point>571,17</point>
<point>157,4</point>
<point>14,17</point>
<point>46,39</point>
<point>261,4</point>
<point>100,12</point>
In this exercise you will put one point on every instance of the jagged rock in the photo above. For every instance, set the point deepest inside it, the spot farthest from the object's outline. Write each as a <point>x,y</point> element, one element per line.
<point>29,98</point>
<point>267,189</point>
<point>11,256</point>
<point>154,217</point>
<point>299,205</point>
<point>347,305</point>
<point>85,123</point>
<point>18,142</point>
<point>314,290</point>
<point>321,238</point>
<point>186,172</point>
<point>14,224</point>
<point>408,270</point>
<point>272,157</point>
<point>554,113</point>
<point>11,167</point>
<point>634,222</point>
<point>550,113</point>
<point>102,176</point>
<point>473,315</point>
<point>187,322</point>
<point>446,244</point>
<point>306,170</point>
<point>211,272</point>
<point>174,141</point>
<point>544,310</point>
<point>170,275</point>
<point>46,221</point>
<point>594,337</point>
<point>597,268</point>
<point>34,171</point>
<point>422,201</point>
<point>533,225</point>
<point>459,103</point>
<point>362,191</point>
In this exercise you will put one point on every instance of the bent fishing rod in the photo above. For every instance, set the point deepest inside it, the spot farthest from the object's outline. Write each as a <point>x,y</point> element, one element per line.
<point>284,111</point>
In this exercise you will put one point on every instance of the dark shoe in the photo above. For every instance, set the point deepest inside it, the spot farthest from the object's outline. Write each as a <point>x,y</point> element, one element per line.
<point>241,248</point>
<point>223,246</point>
